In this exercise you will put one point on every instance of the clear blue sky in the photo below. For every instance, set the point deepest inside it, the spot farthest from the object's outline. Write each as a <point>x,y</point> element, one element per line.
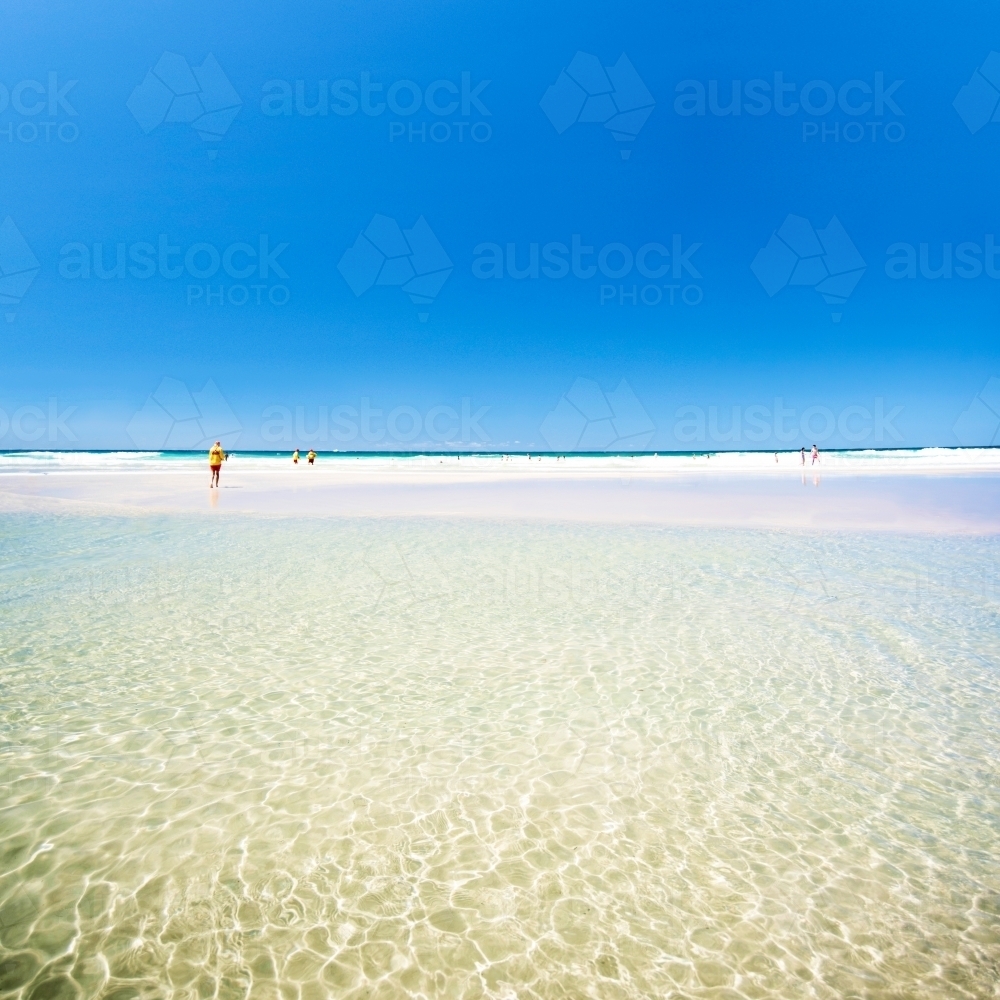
<point>318,205</point>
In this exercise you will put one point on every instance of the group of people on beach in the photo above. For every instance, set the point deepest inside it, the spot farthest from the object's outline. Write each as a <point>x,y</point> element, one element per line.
<point>217,455</point>
<point>815,455</point>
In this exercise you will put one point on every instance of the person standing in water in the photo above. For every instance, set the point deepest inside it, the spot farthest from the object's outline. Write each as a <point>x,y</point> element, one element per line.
<point>216,456</point>
<point>311,457</point>
<point>295,457</point>
<point>803,454</point>
<point>815,455</point>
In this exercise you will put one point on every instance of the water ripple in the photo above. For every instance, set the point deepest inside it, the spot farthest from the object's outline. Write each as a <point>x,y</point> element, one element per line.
<point>294,760</point>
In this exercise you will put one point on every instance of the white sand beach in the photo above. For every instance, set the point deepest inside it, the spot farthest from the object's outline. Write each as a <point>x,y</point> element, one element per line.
<point>933,490</point>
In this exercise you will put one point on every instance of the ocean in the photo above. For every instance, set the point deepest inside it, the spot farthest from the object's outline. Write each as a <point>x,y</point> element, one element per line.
<point>861,461</point>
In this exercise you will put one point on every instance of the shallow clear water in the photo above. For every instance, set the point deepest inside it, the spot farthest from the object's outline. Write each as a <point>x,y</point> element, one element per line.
<point>299,758</point>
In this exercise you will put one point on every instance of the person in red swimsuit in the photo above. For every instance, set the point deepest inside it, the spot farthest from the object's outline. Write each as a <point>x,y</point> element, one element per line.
<point>216,456</point>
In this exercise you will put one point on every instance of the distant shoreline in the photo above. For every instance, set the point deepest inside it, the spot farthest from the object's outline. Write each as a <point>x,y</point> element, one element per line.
<point>495,452</point>
<point>888,461</point>
<point>923,492</point>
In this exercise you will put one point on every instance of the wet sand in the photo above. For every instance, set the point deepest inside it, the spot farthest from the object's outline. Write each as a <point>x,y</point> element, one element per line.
<point>829,500</point>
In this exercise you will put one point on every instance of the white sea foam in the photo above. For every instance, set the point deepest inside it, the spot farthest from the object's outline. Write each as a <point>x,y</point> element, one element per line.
<point>868,461</point>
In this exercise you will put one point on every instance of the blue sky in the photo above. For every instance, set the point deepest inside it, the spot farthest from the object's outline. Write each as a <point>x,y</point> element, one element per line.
<point>166,146</point>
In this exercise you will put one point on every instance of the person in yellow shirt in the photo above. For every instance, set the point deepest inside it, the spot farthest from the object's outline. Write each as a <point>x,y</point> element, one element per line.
<point>311,457</point>
<point>295,457</point>
<point>216,456</point>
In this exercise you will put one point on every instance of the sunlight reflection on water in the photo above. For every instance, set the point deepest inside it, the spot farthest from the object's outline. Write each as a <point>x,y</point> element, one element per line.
<point>321,758</point>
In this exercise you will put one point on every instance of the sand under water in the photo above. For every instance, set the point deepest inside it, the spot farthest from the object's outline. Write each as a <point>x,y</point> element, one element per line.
<point>496,755</point>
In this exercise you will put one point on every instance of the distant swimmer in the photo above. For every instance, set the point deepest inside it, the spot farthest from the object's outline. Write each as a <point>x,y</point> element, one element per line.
<point>216,456</point>
<point>295,457</point>
<point>815,455</point>
<point>803,454</point>
<point>311,457</point>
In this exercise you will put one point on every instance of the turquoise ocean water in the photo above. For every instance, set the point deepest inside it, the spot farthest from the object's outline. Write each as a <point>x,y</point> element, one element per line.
<point>863,461</point>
